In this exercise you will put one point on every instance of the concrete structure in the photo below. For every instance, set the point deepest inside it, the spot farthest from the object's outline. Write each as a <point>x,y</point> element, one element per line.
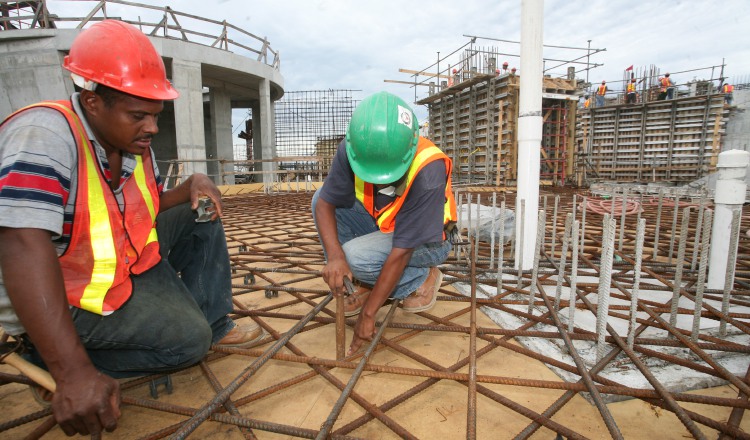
<point>195,129</point>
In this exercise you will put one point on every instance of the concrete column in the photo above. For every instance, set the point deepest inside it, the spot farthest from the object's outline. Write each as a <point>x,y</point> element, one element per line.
<point>730,196</point>
<point>188,115</point>
<point>529,127</point>
<point>264,125</point>
<point>221,135</point>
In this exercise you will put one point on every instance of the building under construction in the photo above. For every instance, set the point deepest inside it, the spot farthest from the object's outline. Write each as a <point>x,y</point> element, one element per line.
<point>631,324</point>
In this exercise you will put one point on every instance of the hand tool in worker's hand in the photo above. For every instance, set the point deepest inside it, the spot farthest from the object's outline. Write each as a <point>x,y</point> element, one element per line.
<point>38,375</point>
<point>349,286</point>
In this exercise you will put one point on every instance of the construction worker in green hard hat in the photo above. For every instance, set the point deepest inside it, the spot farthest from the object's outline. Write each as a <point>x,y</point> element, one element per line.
<point>384,213</point>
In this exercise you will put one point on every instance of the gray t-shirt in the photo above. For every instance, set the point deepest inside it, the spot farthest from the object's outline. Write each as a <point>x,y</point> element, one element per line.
<point>420,219</point>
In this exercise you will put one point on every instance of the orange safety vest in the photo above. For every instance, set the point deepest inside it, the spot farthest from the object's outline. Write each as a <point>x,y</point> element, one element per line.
<point>631,88</point>
<point>602,90</point>
<point>728,88</point>
<point>386,217</point>
<point>107,246</point>
<point>665,82</point>
<point>587,103</point>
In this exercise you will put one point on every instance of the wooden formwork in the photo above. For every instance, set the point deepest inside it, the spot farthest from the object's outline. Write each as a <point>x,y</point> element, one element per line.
<point>474,122</point>
<point>675,140</point>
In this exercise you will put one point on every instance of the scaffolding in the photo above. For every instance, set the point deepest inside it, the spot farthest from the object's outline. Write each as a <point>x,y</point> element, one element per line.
<point>313,123</point>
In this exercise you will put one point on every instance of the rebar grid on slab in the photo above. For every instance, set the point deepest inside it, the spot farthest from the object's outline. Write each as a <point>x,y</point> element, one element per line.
<point>275,251</point>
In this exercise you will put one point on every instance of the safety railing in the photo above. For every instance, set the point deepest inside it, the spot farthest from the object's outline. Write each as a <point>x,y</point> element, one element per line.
<point>158,21</point>
<point>290,173</point>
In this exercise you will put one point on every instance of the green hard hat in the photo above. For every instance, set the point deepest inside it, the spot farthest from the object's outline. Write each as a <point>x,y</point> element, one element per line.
<point>381,139</point>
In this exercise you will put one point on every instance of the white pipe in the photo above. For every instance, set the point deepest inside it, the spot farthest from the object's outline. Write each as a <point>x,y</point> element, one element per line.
<point>529,125</point>
<point>729,197</point>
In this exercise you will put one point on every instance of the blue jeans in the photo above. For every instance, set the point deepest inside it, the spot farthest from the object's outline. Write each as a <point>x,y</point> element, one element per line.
<point>600,100</point>
<point>177,309</point>
<point>366,249</point>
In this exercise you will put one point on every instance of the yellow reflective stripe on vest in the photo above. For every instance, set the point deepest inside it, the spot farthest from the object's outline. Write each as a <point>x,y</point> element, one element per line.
<point>359,189</point>
<point>102,241</point>
<point>415,164</point>
<point>140,179</point>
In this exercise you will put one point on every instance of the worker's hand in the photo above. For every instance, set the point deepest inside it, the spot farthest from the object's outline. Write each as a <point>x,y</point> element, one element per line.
<point>202,186</point>
<point>364,330</point>
<point>333,274</point>
<point>86,402</point>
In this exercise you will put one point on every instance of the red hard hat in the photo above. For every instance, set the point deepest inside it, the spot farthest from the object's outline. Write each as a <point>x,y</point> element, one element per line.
<point>454,70</point>
<point>118,55</point>
<point>505,64</point>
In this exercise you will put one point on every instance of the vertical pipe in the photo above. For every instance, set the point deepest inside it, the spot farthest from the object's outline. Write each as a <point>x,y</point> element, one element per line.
<point>605,279</point>
<point>537,252</point>
<point>731,262</point>
<point>529,123</point>
<point>730,195</point>
<point>573,276</point>
<point>700,284</point>
<point>639,236</point>
<point>501,250</point>
<point>563,258</point>
<point>679,268</point>
<point>494,231</point>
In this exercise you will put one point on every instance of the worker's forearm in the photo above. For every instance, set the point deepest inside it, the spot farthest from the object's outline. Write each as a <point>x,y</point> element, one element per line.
<point>39,300</point>
<point>325,215</point>
<point>175,196</point>
<point>389,276</point>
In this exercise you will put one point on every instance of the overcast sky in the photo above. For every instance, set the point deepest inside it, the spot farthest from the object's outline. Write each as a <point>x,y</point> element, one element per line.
<point>339,44</point>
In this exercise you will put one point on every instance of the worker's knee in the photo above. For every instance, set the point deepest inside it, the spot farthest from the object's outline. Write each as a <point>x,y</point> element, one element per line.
<point>185,343</point>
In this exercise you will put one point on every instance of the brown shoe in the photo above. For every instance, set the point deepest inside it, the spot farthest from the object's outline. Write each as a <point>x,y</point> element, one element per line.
<point>424,297</point>
<point>353,303</point>
<point>243,336</point>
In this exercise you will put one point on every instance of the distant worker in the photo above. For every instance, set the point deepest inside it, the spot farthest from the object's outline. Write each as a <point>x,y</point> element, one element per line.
<point>384,213</point>
<point>513,71</point>
<point>630,95</point>
<point>497,72</point>
<point>728,90</point>
<point>104,273</point>
<point>667,87</point>
<point>587,102</point>
<point>453,79</point>
<point>600,92</point>
<point>505,67</point>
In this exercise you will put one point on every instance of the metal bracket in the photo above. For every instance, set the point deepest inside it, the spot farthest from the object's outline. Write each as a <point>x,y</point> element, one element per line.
<point>154,384</point>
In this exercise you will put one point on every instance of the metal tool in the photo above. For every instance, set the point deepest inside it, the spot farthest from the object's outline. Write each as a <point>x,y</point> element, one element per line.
<point>204,215</point>
<point>349,286</point>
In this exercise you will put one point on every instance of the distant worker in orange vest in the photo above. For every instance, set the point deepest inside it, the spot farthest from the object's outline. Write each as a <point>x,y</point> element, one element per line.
<point>91,243</point>
<point>453,78</point>
<point>600,92</point>
<point>667,87</point>
<point>385,214</point>
<point>727,89</point>
<point>630,95</point>
<point>587,102</point>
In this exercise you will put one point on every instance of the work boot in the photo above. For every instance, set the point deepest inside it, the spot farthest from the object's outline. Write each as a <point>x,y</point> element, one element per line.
<point>353,303</point>
<point>243,336</point>
<point>424,297</point>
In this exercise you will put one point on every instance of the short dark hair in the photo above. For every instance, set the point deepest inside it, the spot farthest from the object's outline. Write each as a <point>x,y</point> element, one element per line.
<point>109,95</point>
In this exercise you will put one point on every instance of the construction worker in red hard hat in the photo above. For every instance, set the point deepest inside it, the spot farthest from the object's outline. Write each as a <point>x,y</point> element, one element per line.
<point>82,203</point>
<point>385,213</point>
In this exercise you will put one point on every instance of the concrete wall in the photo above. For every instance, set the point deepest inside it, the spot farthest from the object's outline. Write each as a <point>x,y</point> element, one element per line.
<point>738,127</point>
